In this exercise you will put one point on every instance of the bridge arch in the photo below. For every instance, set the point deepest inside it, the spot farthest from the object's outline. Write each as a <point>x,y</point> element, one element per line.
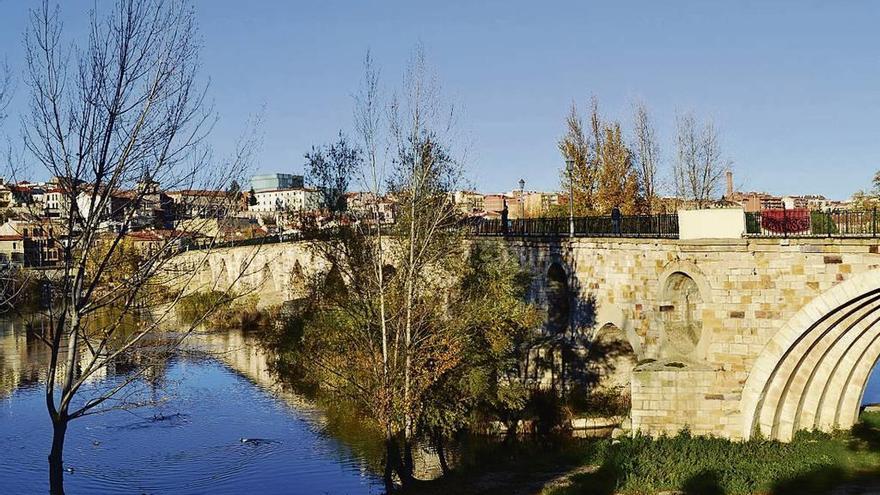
<point>267,277</point>
<point>223,277</point>
<point>612,357</point>
<point>813,371</point>
<point>611,314</point>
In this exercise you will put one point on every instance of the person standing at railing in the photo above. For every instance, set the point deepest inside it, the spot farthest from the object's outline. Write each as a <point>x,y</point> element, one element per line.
<point>504,220</point>
<point>615,220</point>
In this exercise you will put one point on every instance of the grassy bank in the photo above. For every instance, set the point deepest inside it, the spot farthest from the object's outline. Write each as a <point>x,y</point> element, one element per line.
<point>813,463</point>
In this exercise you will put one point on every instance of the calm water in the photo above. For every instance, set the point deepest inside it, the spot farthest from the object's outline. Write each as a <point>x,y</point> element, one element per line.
<point>872,389</point>
<point>191,443</point>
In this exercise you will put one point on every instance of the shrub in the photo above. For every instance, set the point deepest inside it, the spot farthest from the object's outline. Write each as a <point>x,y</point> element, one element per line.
<point>822,223</point>
<point>217,309</point>
<point>546,409</point>
<point>194,307</point>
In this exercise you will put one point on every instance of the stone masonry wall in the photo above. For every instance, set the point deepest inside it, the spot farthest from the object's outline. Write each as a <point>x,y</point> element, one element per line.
<point>749,289</point>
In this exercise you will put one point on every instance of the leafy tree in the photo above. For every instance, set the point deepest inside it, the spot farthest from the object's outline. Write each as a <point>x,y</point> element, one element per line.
<point>618,183</point>
<point>862,199</point>
<point>489,311</point>
<point>381,337</point>
<point>252,197</point>
<point>603,176</point>
<point>234,190</point>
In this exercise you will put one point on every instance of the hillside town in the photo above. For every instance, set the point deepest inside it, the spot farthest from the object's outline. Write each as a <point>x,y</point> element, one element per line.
<point>35,214</point>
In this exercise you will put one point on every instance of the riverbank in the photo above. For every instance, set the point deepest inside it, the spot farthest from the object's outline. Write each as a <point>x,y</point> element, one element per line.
<point>814,463</point>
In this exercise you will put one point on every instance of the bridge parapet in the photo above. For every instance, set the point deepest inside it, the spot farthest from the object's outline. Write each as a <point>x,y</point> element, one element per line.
<point>727,223</point>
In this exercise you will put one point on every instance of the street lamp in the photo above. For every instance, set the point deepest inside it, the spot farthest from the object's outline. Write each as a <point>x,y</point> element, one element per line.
<point>569,167</point>
<point>522,198</point>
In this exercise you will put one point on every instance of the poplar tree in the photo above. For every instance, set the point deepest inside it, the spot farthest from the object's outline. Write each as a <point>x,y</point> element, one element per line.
<point>618,184</point>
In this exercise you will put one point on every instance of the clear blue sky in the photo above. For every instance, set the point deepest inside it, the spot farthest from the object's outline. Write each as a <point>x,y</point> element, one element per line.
<point>794,86</point>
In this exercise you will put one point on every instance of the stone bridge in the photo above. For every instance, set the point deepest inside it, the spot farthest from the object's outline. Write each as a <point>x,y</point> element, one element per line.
<point>728,337</point>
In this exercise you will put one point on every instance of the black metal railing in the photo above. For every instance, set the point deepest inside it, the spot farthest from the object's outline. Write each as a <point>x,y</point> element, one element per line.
<point>812,223</point>
<point>208,243</point>
<point>652,226</point>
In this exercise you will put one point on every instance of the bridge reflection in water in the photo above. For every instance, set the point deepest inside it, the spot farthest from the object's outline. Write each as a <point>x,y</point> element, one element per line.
<point>220,423</point>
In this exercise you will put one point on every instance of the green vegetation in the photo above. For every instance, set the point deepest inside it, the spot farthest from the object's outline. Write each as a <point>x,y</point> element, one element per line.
<point>222,310</point>
<point>822,223</point>
<point>327,344</point>
<point>813,463</point>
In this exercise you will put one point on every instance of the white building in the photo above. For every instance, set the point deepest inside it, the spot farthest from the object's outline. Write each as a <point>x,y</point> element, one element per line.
<point>279,200</point>
<point>109,218</point>
<point>55,202</point>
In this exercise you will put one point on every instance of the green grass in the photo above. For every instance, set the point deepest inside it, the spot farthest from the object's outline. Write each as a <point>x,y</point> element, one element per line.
<point>812,463</point>
<point>715,466</point>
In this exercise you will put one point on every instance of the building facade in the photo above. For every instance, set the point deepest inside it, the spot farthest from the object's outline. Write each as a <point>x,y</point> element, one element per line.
<point>274,182</point>
<point>280,200</point>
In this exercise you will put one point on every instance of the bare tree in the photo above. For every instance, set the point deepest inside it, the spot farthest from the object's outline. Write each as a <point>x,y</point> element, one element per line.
<point>391,321</point>
<point>369,115</point>
<point>700,166</point>
<point>577,146</point>
<point>5,90</point>
<point>647,153</point>
<point>117,122</point>
<point>424,174</point>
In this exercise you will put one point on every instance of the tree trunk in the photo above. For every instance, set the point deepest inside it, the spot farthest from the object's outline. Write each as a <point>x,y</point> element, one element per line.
<point>408,464</point>
<point>441,453</point>
<point>56,463</point>
<point>510,434</point>
<point>393,464</point>
<point>389,466</point>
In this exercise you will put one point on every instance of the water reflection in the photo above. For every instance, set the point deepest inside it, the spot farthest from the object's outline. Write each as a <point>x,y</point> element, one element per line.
<point>22,357</point>
<point>221,425</point>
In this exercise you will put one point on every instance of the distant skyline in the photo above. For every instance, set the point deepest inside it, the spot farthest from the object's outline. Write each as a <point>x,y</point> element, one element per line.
<point>794,86</point>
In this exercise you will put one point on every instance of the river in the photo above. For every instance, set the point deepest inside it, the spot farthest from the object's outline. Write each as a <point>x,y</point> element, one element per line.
<point>218,424</point>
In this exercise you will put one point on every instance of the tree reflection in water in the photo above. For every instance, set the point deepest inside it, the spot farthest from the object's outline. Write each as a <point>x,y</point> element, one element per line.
<point>188,437</point>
